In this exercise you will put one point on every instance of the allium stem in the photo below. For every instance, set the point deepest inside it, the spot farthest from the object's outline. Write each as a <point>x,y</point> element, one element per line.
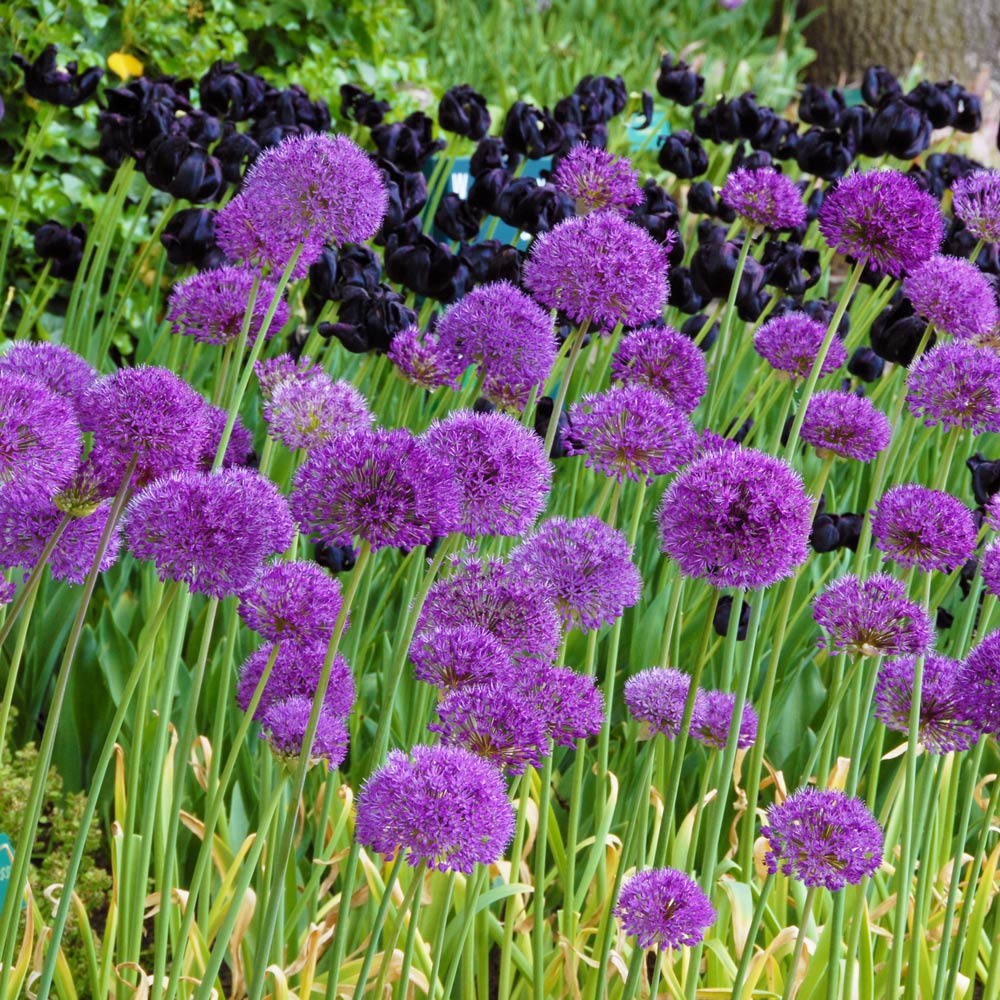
<point>755,921</point>
<point>510,917</point>
<point>343,921</point>
<point>557,406</point>
<point>438,946</point>
<point>800,940</point>
<point>473,887</point>
<point>411,905</point>
<point>538,900</point>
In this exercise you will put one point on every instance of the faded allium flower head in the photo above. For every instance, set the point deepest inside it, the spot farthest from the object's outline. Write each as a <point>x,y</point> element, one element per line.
<point>631,432</point>
<point>822,838</point>
<point>711,718</point>
<point>495,723</point>
<point>495,597</point>
<point>309,190</point>
<point>979,676</point>
<point>296,673</point>
<point>283,725</point>
<point>945,708</point>
<point>956,385</point>
<point>146,415</point>
<point>570,703</point>
<point>917,526</point>
<point>508,335</point>
<point>656,697</point>
<point>383,486</point>
<point>882,217</point>
<point>54,365</point>
<point>844,424</point>
<point>584,566</point>
<point>664,908</point>
<point>989,568</point>
<point>500,468</point>
<point>954,295</point>
<point>210,306</point>
<point>443,805</point>
<point>426,360</point>
<point>296,601</point>
<point>596,180</point>
<point>599,269</point>
<point>873,617</point>
<point>976,201</point>
<point>239,450</point>
<point>211,530</point>
<point>737,518</point>
<point>791,344</point>
<point>451,655</point>
<point>764,199</point>
<point>664,360</point>
<point>39,438</point>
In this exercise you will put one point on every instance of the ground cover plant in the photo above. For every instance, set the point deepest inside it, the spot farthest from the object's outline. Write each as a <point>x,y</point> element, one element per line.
<point>608,612</point>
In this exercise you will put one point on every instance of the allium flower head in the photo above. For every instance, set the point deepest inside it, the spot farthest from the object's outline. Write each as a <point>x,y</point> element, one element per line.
<point>631,432</point>
<point>712,715</point>
<point>570,703</point>
<point>956,385</point>
<point>976,201</point>
<point>989,568</point>
<point>210,306</point>
<point>239,451</point>
<point>443,805</point>
<point>585,566</point>
<point>426,360</point>
<point>664,908</point>
<point>599,268</point>
<point>737,518</point>
<point>764,198</point>
<point>596,180</point>
<point>656,697</point>
<point>283,725</point>
<point>664,360</point>
<point>822,838</point>
<point>872,617</point>
<point>954,295</point>
<point>917,526</point>
<point>383,486</point>
<point>299,601</point>
<point>846,425</point>
<point>146,414</point>
<point>452,655</point>
<point>791,344</point>
<point>211,530</point>
<point>979,676</point>
<point>499,466</point>
<point>945,708</point>
<point>884,218</point>
<point>54,365</point>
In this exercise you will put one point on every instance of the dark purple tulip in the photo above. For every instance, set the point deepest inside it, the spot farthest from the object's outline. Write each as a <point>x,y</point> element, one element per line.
<point>824,536</point>
<point>425,267</point>
<point>985,477</point>
<point>359,106</point>
<point>490,260</point>
<point>335,558</point>
<point>723,613</point>
<point>935,100</point>
<point>603,97</point>
<point>682,291</point>
<point>900,129</point>
<point>177,165</point>
<point>702,199</point>
<point>759,159</point>
<point>791,267</point>
<point>368,322</point>
<point>657,214</point>
<point>679,83</point>
<point>227,91</point>
<point>968,113</point>
<point>543,414</point>
<point>720,124</point>
<point>235,152</point>
<point>62,246</point>
<point>825,153</point>
<point>464,112</point>
<point>531,131</point>
<point>189,238</point>
<point>897,331</point>
<point>647,110</point>
<point>865,364</point>
<point>683,155</point>
<point>488,188</point>
<point>878,84</point>
<point>44,81</point>
<point>693,326</point>
<point>409,143</point>
<point>457,219</point>
<point>490,154</point>
<point>821,107</point>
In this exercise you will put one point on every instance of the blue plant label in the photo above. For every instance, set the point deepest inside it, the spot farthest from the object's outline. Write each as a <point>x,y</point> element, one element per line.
<point>651,137</point>
<point>6,866</point>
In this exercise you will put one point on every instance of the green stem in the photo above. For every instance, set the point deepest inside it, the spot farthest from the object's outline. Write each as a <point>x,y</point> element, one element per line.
<point>747,957</point>
<point>800,940</point>
<point>506,965</point>
<point>538,902</point>
<point>472,892</point>
<point>557,406</point>
<point>411,904</point>
<point>339,944</point>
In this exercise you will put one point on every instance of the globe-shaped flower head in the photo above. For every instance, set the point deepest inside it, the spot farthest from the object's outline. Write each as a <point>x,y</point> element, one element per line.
<point>284,723</point>
<point>449,656</point>
<point>655,697</point>
<point>979,676</point>
<point>954,295</point>
<point>660,358</point>
<point>976,201</point>
<point>596,180</point>
<point>296,601</point>
<point>956,385</point>
<point>882,217</point>
<point>989,568</point>
<point>712,717</point>
<point>764,199</point>
<point>664,908</point>
<point>841,423</point>
<point>53,365</point>
<point>426,360</point>
<point>791,344</point>
<point>569,703</point>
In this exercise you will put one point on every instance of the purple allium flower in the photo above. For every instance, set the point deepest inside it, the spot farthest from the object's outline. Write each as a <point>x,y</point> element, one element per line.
<point>664,360</point>
<point>822,838</point>
<point>596,180</point>
<point>764,198</point>
<point>954,295</point>
<point>7,591</point>
<point>882,217</point>
<point>443,805</point>
<point>989,568</point>
<point>712,715</point>
<point>426,360</point>
<point>872,617</point>
<point>239,451</point>
<point>39,438</point>
<point>500,468</point>
<point>570,703</point>
<point>210,306</point>
<point>211,530</point>
<point>656,697</point>
<point>312,190</point>
<point>976,201</point>
<point>507,334</point>
<point>979,676</point>
<point>495,723</point>
<point>383,486</point>
<point>283,725</point>
<point>55,366</point>
<point>495,597</point>
<point>737,518</point>
<point>146,414</point>
<point>845,424</point>
<point>945,709</point>
<point>599,268</point>
<point>296,672</point>
<point>585,566</point>
<point>299,601</point>
<point>664,908</point>
<point>791,344</point>
<point>956,385</point>
<point>452,655</point>
<point>993,512</point>
<point>631,432</point>
<point>917,526</point>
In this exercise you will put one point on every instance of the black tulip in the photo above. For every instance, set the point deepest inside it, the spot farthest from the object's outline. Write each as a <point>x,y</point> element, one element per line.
<point>897,332</point>
<point>723,614</point>
<point>968,113</point>
<point>825,153</point>
<point>683,155</point>
<point>464,112</point>
<point>490,154</point>
<point>62,246</point>
<point>425,267</point>
<point>227,91</point>
<point>683,294</point>
<point>985,477</point>
<point>336,558</point>
<point>821,107</point>
<point>189,238</point>
<point>824,536</point>
<point>646,110</point>
<point>368,322</point>
<point>791,267</point>
<point>359,106</point>
<point>849,528</point>
<point>490,260</point>
<point>543,415</point>
<point>531,131</point>
<point>409,143</point>
<point>901,129</point>
<point>457,219</point>
<point>693,327</point>
<point>878,84</point>
<point>865,364</point>
<point>235,151</point>
<point>936,100</point>
<point>679,83</point>
<point>44,81</point>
